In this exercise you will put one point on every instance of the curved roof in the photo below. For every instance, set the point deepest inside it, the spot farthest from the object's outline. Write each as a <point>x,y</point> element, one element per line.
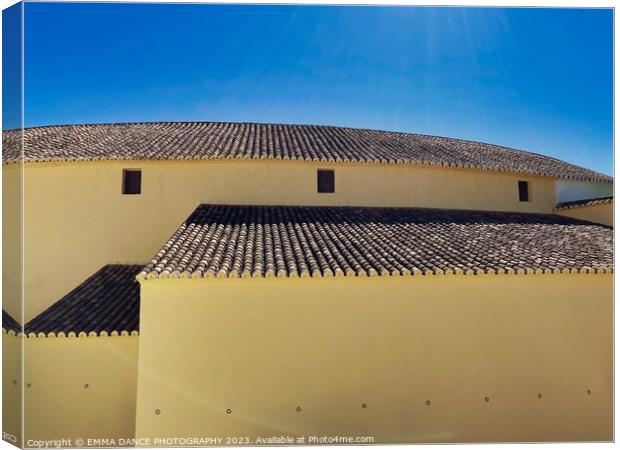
<point>232,241</point>
<point>228,140</point>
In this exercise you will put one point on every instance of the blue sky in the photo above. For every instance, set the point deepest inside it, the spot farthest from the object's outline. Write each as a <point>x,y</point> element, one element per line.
<point>535,79</point>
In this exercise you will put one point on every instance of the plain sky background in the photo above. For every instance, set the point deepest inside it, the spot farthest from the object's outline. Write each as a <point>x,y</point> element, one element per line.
<point>534,79</point>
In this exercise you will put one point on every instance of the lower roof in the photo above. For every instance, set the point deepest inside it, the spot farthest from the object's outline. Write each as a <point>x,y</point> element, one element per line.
<point>585,202</point>
<point>9,324</point>
<point>107,303</point>
<point>288,241</point>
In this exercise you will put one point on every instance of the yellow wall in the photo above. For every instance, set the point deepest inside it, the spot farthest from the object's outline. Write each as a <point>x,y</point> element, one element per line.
<point>11,387</point>
<point>603,213</point>
<point>11,239</point>
<point>57,405</point>
<point>76,219</point>
<point>263,347</point>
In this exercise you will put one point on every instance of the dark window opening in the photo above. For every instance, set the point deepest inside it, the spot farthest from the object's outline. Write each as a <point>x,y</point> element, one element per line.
<point>524,191</point>
<point>325,181</point>
<point>132,181</point>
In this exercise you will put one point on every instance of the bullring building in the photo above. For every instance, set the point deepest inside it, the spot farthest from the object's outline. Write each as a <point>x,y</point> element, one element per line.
<point>193,280</point>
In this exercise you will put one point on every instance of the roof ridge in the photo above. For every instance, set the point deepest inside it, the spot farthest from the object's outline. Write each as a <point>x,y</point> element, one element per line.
<point>192,140</point>
<point>215,122</point>
<point>352,207</point>
<point>290,124</point>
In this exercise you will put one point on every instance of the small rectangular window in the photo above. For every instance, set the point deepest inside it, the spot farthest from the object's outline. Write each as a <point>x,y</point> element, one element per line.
<point>132,181</point>
<point>524,191</point>
<point>325,181</point>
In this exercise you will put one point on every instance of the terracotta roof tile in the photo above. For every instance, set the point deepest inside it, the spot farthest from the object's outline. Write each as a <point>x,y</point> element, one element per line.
<point>233,241</point>
<point>586,202</point>
<point>10,324</point>
<point>108,302</point>
<point>216,140</point>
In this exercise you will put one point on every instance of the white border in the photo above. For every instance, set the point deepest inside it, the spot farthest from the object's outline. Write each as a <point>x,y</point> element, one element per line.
<point>481,3</point>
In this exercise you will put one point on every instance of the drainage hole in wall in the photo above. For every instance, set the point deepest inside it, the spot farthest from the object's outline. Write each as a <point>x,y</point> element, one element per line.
<point>86,386</point>
<point>157,412</point>
<point>229,411</point>
<point>29,385</point>
<point>428,403</point>
<point>539,395</point>
<point>589,392</point>
<point>364,405</point>
<point>14,382</point>
<point>299,409</point>
<point>487,399</point>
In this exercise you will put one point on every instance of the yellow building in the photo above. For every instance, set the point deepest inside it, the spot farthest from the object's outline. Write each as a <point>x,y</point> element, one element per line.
<point>599,210</point>
<point>314,282</point>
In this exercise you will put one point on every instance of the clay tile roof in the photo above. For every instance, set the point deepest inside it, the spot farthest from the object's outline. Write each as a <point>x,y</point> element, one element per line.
<point>285,241</point>
<point>10,324</point>
<point>216,140</point>
<point>108,301</point>
<point>586,202</point>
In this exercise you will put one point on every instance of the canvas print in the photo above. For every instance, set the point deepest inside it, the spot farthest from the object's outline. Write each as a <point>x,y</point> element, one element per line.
<point>300,224</point>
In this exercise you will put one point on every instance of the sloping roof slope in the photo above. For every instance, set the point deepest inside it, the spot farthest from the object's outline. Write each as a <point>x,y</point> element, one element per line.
<point>10,324</point>
<point>585,203</point>
<point>215,140</point>
<point>263,241</point>
<point>108,302</point>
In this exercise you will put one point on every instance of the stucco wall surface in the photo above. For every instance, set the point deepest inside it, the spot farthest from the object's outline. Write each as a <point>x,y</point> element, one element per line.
<point>433,358</point>
<point>80,388</point>
<point>11,387</point>
<point>76,219</point>
<point>12,239</point>
<point>603,213</point>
